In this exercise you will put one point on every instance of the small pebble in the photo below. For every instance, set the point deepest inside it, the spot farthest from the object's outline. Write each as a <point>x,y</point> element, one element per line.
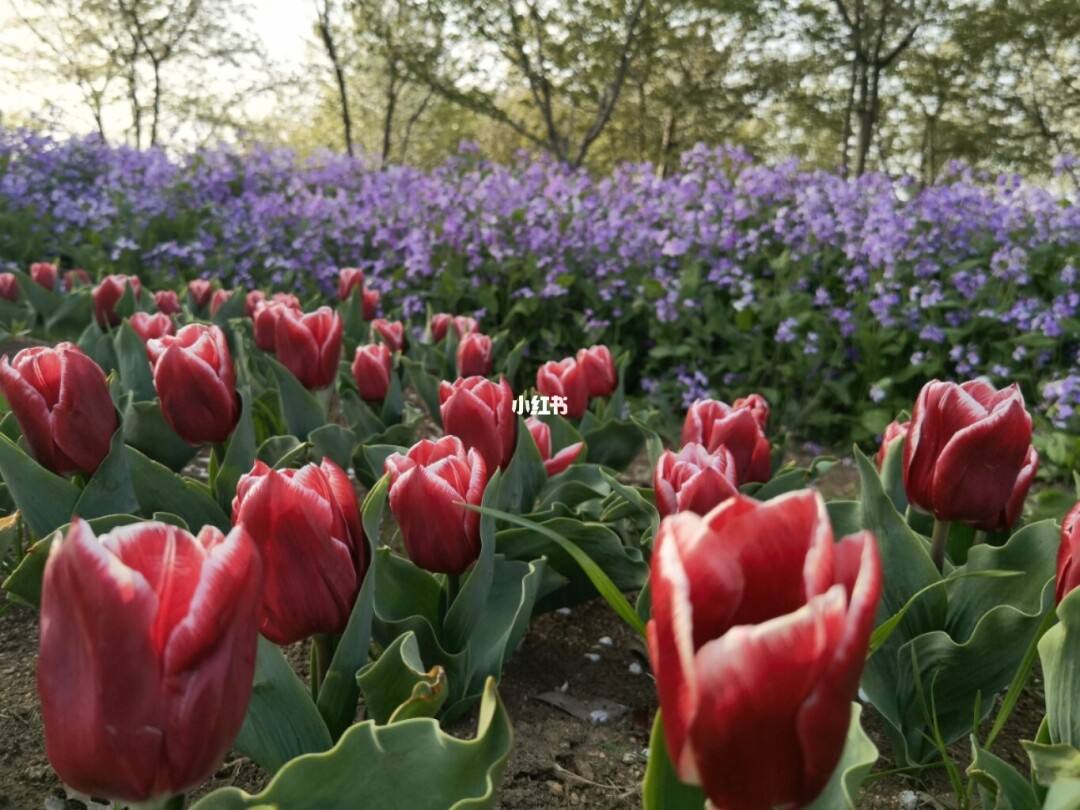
<point>908,799</point>
<point>556,788</point>
<point>606,641</point>
<point>629,757</point>
<point>563,611</point>
<point>593,658</point>
<point>598,716</point>
<point>635,668</point>
<point>565,686</point>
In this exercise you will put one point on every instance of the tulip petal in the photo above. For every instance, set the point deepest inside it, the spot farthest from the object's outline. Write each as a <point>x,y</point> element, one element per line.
<point>194,400</point>
<point>84,419</point>
<point>563,459</point>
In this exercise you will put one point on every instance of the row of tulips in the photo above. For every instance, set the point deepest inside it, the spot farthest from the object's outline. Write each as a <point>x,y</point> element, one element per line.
<point>761,625</point>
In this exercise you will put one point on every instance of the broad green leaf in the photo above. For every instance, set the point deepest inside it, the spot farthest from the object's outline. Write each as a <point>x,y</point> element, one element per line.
<point>469,608</point>
<point>407,765</point>
<point>146,430</point>
<point>426,386</point>
<point>1051,762</point>
<point>334,442</point>
<point>45,499</point>
<point>161,490</point>
<point>239,453</point>
<point>397,686</point>
<point>614,444</point>
<point>524,477</point>
<point>282,451</point>
<point>1059,652</point>
<point>109,490</point>
<point>1000,786</point>
<point>281,721</point>
<point>302,411</point>
<point>133,364</point>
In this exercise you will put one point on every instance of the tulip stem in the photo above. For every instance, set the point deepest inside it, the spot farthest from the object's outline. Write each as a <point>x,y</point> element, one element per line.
<point>980,537</point>
<point>453,587</point>
<point>938,542</point>
<point>321,653</point>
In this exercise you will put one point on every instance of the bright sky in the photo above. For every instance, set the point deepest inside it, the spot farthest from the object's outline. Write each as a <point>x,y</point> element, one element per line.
<point>284,26</point>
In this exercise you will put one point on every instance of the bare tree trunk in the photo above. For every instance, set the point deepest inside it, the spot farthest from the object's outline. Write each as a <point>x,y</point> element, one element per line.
<point>668,143</point>
<point>845,138</point>
<point>327,35</point>
<point>157,103</point>
<point>392,91</point>
<point>407,136</point>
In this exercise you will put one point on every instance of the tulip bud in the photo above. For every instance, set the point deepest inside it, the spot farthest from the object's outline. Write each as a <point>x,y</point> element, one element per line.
<point>309,345</point>
<point>894,432</point>
<point>481,413</point>
<point>968,455</point>
<point>196,383</point>
<point>761,624</point>
<point>167,301</point>
<point>148,639</point>
<point>392,333</point>
<point>218,299</point>
<point>442,321</point>
<point>265,323</point>
<point>61,401</point>
<point>76,277</point>
<point>695,480</point>
<point>200,292</point>
<point>149,326</point>
<point>600,374</point>
<point>348,279</point>
<point>1068,559</point>
<point>9,287</point>
<point>427,486</point>
<point>252,301</point>
<point>371,303</point>
<point>541,434</point>
<point>371,368</point>
<point>758,406</point>
<point>107,295</point>
<point>44,274</point>
<point>474,355</point>
<point>712,423</point>
<point>306,524</point>
<point>565,379</point>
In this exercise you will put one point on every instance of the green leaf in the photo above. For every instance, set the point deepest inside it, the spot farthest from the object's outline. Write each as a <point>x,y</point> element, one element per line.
<point>364,422</point>
<point>1059,652</point>
<point>661,788</point>
<point>603,584</point>
<point>1000,786</point>
<point>109,491</point>
<point>239,454</point>
<point>75,311</point>
<point>133,364</point>
<point>146,430</point>
<point>1051,762</point>
<point>45,302</point>
<point>300,408</point>
<point>856,761</point>
<point>1063,795</point>
<point>281,721</point>
<point>234,307</point>
<point>45,499</point>
<point>160,490</point>
<point>339,690</point>
<point>408,765</point>
<point>426,386</point>
<point>334,442</point>
<point>396,686</point>
<point>282,451</point>
<point>615,444</point>
<point>892,475</point>
<point>468,610</point>
<point>393,402</point>
<point>524,477</point>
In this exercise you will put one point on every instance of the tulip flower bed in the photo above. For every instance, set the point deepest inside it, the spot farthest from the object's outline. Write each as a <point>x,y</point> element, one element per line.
<point>312,542</point>
<point>835,299</point>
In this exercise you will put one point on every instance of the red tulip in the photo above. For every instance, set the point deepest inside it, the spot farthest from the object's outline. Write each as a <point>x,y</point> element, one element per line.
<point>712,423</point>
<point>218,299</point>
<point>480,413</point>
<point>168,302</point>
<point>371,368</point>
<point>894,431</point>
<point>968,455</point>
<point>265,322</point>
<point>62,403</point>
<point>760,628</point>
<point>306,523</point>
<point>566,379</point>
<point>474,355</point>
<point>392,333</point>
<point>252,301</point>
<point>442,321</point>
<point>9,287</point>
<point>200,291</point>
<point>427,487</point>
<point>148,639</point>
<point>371,303</point>
<point>553,465</point>
<point>149,326</point>
<point>348,279</point>
<point>695,480</point>
<point>309,345</point>
<point>44,274</point>
<point>76,277</point>
<point>757,405</point>
<point>599,368</point>
<point>196,383</point>
<point>107,295</point>
<point>1068,560</point>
